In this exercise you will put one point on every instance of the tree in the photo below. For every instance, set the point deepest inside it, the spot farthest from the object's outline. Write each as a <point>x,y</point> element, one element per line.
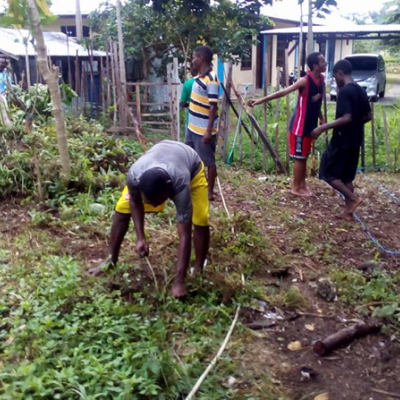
<point>321,8</point>
<point>31,14</point>
<point>172,28</point>
<point>78,20</point>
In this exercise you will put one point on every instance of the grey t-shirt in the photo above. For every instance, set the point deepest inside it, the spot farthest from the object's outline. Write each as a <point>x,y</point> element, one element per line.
<point>181,163</point>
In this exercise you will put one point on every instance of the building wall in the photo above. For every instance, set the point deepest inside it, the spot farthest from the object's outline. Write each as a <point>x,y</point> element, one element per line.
<point>56,25</point>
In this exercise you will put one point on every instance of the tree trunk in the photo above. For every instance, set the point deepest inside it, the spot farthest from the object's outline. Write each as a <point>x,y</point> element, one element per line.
<point>27,65</point>
<point>51,78</point>
<point>122,65</point>
<point>310,35</point>
<point>299,61</point>
<point>78,20</point>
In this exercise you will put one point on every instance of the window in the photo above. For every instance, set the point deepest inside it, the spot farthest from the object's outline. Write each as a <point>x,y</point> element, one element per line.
<point>70,30</point>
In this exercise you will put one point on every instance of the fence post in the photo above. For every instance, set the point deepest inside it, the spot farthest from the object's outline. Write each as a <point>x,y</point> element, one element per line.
<point>277,110</point>
<point>287,109</point>
<point>387,143</point>
<point>373,135</point>
<point>138,106</point>
<point>224,120</point>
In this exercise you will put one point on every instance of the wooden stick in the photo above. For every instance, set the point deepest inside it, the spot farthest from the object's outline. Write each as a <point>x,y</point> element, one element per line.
<point>387,143</point>
<point>277,110</point>
<point>345,336</point>
<point>261,134</point>
<point>138,107</point>
<point>252,149</point>
<point>373,135</point>
<point>224,120</point>
<point>393,395</point>
<point>215,359</point>
<point>287,109</point>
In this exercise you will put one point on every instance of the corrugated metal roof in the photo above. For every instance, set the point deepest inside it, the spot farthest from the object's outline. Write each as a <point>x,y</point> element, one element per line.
<point>58,44</point>
<point>365,29</point>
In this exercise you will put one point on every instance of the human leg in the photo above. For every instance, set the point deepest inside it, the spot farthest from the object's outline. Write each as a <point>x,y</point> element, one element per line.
<point>201,236</point>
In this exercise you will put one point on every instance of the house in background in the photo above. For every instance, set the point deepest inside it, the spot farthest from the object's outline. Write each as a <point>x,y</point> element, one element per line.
<point>269,53</point>
<point>66,24</point>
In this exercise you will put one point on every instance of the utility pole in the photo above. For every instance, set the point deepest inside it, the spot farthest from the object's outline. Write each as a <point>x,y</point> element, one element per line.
<point>78,20</point>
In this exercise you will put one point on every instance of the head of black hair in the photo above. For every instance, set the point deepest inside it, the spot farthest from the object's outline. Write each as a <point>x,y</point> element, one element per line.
<point>205,52</point>
<point>344,66</point>
<point>312,59</point>
<point>155,184</point>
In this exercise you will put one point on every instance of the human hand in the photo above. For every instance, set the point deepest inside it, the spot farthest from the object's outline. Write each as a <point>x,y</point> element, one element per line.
<point>252,103</point>
<point>142,248</point>
<point>316,132</point>
<point>207,137</point>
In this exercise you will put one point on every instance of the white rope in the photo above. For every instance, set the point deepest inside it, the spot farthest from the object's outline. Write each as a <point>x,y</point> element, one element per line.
<point>215,359</point>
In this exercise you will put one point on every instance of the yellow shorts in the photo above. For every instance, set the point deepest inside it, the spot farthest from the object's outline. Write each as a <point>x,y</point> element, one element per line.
<point>199,195</point>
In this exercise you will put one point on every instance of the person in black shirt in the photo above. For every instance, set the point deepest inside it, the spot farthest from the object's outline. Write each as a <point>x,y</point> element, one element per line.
<point>340,160</point>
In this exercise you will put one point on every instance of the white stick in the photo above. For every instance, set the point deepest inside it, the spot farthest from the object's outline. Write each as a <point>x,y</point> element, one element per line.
<point>215,359</point>
<point>223,198</point>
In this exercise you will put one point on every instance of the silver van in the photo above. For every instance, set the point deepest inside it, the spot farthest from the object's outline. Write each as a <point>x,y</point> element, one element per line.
<point>369,72</point>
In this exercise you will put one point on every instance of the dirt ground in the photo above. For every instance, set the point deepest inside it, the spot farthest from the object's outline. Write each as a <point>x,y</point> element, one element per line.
<point>312,242</point>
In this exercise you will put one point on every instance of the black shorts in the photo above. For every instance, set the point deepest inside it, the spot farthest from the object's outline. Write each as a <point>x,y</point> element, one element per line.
<point>337,163</point>
<point>206,152</point>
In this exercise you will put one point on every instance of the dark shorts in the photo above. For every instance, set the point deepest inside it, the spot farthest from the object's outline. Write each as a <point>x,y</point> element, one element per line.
<point>337,163</point>
<point>300,147</point>
<point>205,151</point>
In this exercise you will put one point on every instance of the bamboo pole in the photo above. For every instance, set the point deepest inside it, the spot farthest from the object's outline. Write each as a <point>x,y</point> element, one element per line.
<point>118,84</point>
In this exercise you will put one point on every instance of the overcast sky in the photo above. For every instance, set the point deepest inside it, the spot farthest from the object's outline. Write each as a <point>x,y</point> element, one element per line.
<point>284,8</point>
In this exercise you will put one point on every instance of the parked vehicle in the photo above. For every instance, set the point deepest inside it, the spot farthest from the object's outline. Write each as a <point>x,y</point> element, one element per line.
<point>369,72</point>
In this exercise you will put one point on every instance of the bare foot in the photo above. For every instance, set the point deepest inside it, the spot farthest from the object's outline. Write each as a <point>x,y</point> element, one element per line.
<point>101,268</point>
<point>345,216</point>
<point>353,205</point>
<point>179,290</point>
<point>308,191</point>
<point>197,270</point>
<point>301,193</point>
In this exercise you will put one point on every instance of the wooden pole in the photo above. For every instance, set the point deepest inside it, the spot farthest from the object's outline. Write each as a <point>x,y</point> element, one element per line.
<point>326,116</point>
<point>77,83</point>
<point>265,116</point>
<point>171,104</point>
<point>373,134</point>
<point>277,110</point>
<point>387,143</point>
<point>252,149</point>
<point>90,60</point>
<point>119,99</point>
<point>69,65</point>
<point>138,106</point>
<point>114,83</point>
<point>287,110</point>
<point>78,20</point>
<point>122,70</point>
<point>224,121</point>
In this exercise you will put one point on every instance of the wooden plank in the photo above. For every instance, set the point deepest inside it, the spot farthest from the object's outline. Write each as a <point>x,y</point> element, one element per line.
<point>155,114</point>
<point>155,130</point>
<point>156,122</point>
<point>152,83</point>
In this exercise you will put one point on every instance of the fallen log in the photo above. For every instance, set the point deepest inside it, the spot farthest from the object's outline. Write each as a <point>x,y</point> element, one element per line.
<point>345,336</point>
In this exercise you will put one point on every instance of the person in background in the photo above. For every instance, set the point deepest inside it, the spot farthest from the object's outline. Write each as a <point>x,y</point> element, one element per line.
<point>304,119</point>
<point>185,96</point>
<point>340,160</point>
<point>202,128</point>
<point>5,79</point>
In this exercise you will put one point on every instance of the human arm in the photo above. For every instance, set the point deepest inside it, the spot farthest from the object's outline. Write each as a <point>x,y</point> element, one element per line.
<point>213,115</point>
<point>213,93</point>
<point>301,83</point>
<point>137,212</point>
<point>368,117</point>
<point>344,120</point>
<point>322,120</point>
<point>184,248</point>
<point>185,96</point>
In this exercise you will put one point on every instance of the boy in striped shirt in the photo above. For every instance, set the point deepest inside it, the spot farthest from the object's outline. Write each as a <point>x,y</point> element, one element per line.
<point>202,129</point>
